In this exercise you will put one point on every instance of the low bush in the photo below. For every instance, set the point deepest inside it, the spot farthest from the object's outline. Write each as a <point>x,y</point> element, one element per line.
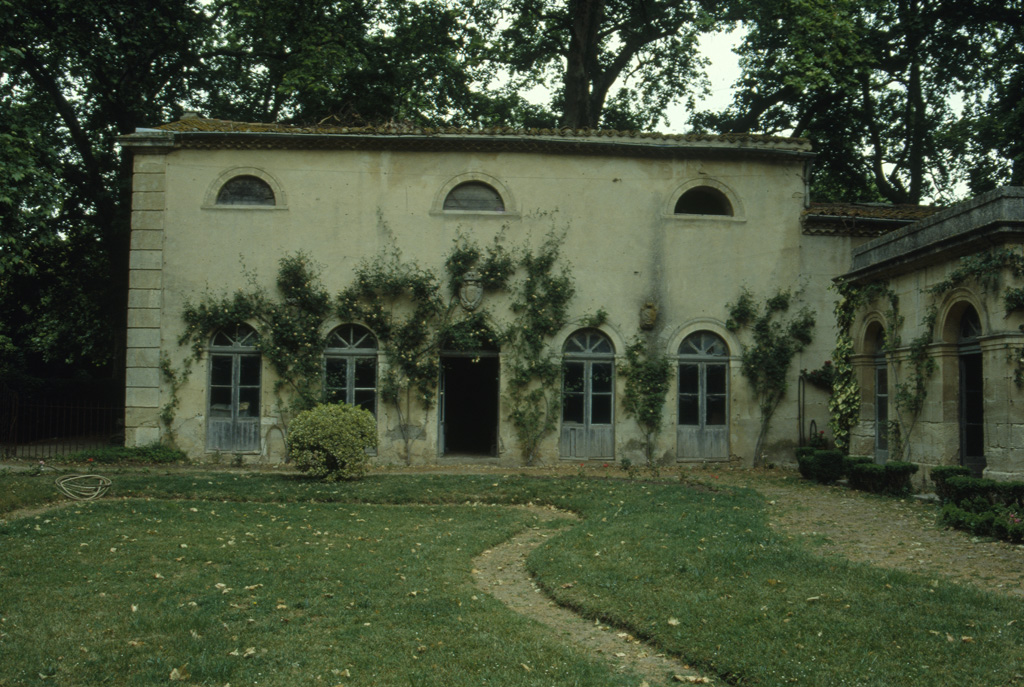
<point>850,461</point>
<point>117,455</point>
<point>892,478</point>
<point>983,506</point>
<point>823,466</point>
<point>940,473</point>
<point>330,441</point>
<point>964,488</point>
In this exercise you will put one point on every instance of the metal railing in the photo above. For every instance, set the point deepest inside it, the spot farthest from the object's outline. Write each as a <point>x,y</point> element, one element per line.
<point>37,428</point>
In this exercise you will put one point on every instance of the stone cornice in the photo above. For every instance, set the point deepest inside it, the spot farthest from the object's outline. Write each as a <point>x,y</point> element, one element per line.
<point>196,133</point>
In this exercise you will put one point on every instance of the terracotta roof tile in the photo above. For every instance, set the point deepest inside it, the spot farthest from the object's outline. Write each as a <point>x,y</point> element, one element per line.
<point>872,211</point>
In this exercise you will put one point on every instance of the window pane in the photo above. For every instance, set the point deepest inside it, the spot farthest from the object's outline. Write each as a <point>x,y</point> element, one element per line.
<point>245,190</point>
<point>220,370</point>
<point>716,379</point>
<point>366,398</point>
<point>689,379</point>
<point>601,409</point>
<point>689,409</point>
<point>601,377</point>
<point>572,377</point>
<point>335,374</point>
<point>248,402</point>
<point>572,408</point>
<point>220,401</point>
<point>715,410</point>
<point>474,195</point>
<point>366,373</point>
<point>249,374</point>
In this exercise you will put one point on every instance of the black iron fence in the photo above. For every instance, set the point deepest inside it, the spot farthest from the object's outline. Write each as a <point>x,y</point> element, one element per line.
<point>34,427</point>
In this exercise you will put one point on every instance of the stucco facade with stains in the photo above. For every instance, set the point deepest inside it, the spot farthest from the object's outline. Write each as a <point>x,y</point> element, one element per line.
<point>344,196</point>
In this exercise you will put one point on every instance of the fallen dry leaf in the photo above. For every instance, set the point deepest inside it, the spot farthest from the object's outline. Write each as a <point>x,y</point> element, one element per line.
<point>180,673</point>
<point>692,679</point>
<point>673,622</point>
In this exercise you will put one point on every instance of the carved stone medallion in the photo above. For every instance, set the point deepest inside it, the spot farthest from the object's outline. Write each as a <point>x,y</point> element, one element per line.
<point>471,293</point>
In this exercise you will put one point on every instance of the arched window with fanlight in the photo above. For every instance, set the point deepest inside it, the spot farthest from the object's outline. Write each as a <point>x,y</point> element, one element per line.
<point>233,409</point>
<point>246,189</point>
<point>702,429</point>
<point>350,367</point>
<point>474,196</point>
<point>588,396</point>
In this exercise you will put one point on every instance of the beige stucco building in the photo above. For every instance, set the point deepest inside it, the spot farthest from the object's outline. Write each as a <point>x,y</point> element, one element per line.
<point>660,233</point>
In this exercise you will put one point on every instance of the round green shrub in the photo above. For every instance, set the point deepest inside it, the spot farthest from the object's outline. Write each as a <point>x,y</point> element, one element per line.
<point>330,441</point>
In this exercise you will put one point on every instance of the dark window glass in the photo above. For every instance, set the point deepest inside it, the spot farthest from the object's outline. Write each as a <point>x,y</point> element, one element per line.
<point>703,200</point>
<point>601,409</point>
<point>365,373</point>
<point>715,410</point>
<point>689,378</point>
<point>249,375</point>
<point>716,379</point>
<point>474,196</point>
<point>572,408</point>
<point>220,401</point>
<point>572,376</point>
<point>601,381</point>
<point>366,398</point>
<point>245,190</point>
<point>248,402</point>
<point>689,409</point>
<point>220,370</point>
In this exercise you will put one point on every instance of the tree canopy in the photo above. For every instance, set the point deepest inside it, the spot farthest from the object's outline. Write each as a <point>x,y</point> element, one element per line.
<point>905,100</point>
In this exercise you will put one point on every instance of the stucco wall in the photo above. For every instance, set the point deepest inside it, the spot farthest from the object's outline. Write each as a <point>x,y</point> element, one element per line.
<point>622,241</point>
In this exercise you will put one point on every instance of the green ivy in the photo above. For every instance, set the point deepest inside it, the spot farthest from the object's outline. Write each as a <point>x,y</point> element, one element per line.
<point>287,331</point>
<point>769,353</point>
<point>986,269</point>
<point>647,373</point>
<point>540,304</point>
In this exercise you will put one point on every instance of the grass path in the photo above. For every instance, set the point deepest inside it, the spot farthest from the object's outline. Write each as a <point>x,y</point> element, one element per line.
<point>694,570</point>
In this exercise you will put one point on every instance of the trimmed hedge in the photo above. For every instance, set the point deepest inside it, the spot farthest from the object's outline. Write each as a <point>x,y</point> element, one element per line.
<point>941,473</point>
<point>983,506</point>
<point>115,455</point>
<point>330,441</point>
<point>850,461</point>
<point>823,466</point>
<point>892,478</point>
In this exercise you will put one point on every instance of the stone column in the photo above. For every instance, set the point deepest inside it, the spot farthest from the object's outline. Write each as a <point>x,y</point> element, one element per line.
<point>145,282</point>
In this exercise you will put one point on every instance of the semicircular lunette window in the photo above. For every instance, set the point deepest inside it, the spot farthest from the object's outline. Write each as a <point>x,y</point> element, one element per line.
<point>246,190</point>
<point>704,200</point>
<point>474,196</point>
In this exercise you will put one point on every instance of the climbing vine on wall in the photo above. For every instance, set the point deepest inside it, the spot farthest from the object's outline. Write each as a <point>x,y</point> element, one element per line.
<point>540,306</point>
<point>287,328</point>
<point>647,373</point>
<point>414,314</point>
<point>768,354</point>
<point>986,269</point>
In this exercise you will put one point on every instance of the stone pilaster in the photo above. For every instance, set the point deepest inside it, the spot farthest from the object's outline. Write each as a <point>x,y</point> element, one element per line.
<point>145,296</point>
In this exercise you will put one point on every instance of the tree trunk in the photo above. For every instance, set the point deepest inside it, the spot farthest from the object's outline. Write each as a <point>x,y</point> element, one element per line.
<point>581,63</point>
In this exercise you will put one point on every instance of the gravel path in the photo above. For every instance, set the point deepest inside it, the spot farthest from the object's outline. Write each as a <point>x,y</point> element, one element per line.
<point>501,572</point>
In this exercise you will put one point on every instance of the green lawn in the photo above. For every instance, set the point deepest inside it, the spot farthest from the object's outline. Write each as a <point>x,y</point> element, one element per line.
<point>373,578</point>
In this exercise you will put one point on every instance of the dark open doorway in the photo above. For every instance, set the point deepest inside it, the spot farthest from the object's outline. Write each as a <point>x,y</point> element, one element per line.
<point>469,405</point>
